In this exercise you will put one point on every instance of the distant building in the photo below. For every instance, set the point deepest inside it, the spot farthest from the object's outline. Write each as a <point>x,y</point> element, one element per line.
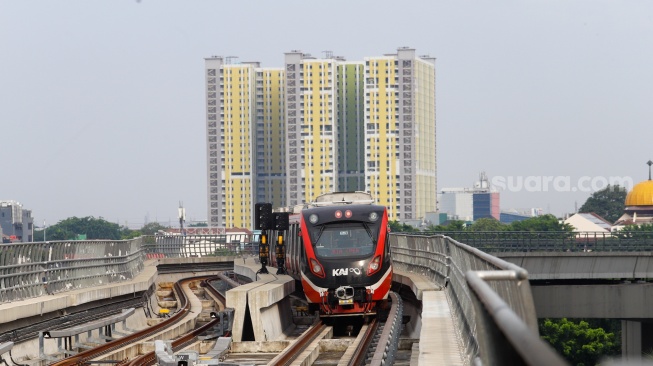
<point>435,218</point>
<point>17,223</point>
<point>510,217</point>
<point>519,214</point>
<point>470,204</point>
<point>588,222</point>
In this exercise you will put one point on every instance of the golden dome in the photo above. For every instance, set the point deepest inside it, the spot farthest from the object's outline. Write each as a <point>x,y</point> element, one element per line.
<point>641,194</point>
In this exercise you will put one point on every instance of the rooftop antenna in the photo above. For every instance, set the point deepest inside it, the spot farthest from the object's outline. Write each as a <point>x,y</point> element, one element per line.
<point>328,54</point>
<point>649,168</point>
<point>229,59</point>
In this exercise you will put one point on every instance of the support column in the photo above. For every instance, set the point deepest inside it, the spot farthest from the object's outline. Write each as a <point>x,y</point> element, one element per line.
<point>647,336</point>
<point>631,340</point>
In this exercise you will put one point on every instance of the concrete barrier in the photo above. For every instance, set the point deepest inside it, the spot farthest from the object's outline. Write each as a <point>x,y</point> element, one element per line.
<point>266,300</point>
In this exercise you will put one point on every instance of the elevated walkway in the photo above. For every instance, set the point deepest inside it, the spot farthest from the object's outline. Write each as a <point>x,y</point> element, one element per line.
<point>439,342</point>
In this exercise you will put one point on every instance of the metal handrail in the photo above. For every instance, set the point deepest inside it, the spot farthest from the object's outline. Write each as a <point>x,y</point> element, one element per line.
<point>506,339</point>
<point>502,303</point>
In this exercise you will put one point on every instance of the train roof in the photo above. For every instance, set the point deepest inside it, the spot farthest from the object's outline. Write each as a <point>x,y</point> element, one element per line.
<point>332,199</point>
<point>339,198</point>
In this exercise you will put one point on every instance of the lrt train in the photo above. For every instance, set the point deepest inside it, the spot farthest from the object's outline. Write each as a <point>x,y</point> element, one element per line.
<point>338,248</point>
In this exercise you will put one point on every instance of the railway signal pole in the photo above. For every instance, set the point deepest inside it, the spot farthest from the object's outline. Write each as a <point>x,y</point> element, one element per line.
<point>263,222</point>
<point>281,224</point>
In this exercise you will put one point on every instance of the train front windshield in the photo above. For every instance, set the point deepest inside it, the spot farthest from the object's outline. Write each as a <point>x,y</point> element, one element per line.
<point>343,240</point>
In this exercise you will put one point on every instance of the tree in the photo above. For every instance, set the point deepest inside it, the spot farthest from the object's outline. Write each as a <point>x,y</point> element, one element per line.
<point>607,203</point>
<point>644,231</point>
<point>127,233</point>
<point>540,223</point>
<point>94,228</point>
<point>397,227</point>
<point>487,224</point>
<point>199,224</point>
<point>578,342</point>
<point>453,225</point>
<point>151,228</point>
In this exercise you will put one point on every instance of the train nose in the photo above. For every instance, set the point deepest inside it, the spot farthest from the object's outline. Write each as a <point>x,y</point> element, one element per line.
<point>345,292</point>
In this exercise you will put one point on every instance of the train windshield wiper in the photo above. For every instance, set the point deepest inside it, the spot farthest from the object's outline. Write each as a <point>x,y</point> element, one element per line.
<point>319,234</point>
<point>369,232</point>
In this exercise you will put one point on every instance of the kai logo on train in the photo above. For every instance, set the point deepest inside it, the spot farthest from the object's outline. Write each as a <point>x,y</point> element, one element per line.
<point>345,271</point>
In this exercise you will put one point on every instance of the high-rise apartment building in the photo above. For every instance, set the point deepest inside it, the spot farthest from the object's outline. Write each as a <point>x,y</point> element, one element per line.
<point>245,142</point>
<point>400,133</point>
<point>350,96</point>
<point>311,119</point>
<point>270,137</point>
<point>320,125</point>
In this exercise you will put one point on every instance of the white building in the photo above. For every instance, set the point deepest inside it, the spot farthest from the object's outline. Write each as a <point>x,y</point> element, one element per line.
<point>588,222</point>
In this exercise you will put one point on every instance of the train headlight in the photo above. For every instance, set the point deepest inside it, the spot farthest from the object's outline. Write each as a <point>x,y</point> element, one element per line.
<point>348,214</point>
<point>374,216</point>
<point>374,265</point>
<point>316,268</point>
<point>313,219</point>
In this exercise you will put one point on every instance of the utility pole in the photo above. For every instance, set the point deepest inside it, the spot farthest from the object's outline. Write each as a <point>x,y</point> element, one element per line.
<point>182,217</point>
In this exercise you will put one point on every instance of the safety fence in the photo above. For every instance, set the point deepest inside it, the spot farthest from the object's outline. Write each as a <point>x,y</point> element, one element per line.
<point>552,241</point>
<point>184,246</point>
<point>490,299</point>
<point>34,269</point>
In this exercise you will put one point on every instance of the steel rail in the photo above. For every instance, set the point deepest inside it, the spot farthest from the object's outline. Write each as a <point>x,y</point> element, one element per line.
<point>358,358</point>
<point>188,338</point>
<point>389,337</point>
<point>32,330</point>
<point>84,357</point>
<point>293,351</point>
<point>228,280</point>
<point>193,267</point>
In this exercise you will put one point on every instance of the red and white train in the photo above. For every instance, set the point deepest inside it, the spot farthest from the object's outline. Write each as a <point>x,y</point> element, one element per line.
<point>338,247</point>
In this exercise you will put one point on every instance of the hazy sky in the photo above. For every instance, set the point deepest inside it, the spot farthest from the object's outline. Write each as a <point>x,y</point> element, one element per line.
<point>102,104</point>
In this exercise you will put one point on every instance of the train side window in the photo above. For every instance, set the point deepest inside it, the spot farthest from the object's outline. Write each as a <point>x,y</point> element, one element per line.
<point>387,245</point>
<point>302,250</point>
<point>293,244</point>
